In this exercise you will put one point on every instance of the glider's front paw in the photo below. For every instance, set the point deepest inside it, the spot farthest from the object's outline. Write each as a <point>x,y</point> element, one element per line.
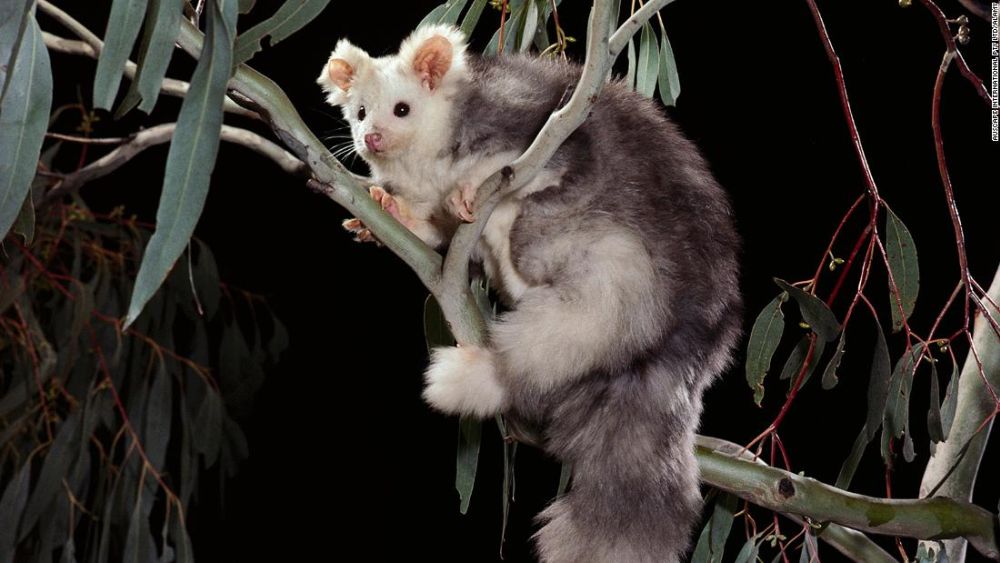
<point>461,201</point>
<point>391,204</point>
<point>463,381</point>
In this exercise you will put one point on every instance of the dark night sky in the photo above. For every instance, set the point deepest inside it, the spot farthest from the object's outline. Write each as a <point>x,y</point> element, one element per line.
<point>346,459</point>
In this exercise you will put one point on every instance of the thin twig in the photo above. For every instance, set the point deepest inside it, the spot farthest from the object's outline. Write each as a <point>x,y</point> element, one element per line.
<point>952,47</point>
<point>87,140</point>
<point>161,134</point>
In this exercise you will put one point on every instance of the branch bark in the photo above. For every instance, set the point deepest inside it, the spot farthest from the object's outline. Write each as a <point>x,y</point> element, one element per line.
<point>161,134</point>
<point>954,465</point>
<point>851,543</point>
<point>786,492</point>
<point>560,125</point>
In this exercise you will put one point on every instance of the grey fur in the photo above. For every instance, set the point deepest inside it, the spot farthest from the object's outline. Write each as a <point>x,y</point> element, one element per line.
<point>627,428</point>
<point>623,299</point>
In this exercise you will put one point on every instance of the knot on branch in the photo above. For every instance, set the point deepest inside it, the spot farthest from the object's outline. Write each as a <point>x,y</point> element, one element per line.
<point>786,488</point>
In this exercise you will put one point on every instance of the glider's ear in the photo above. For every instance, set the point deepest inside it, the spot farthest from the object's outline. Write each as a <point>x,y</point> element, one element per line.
<point>435,54</point>
<point>346,63</point>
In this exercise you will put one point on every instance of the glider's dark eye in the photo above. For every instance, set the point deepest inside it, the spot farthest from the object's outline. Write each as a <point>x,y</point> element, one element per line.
<point>361,113</point>
<point>402,109</point>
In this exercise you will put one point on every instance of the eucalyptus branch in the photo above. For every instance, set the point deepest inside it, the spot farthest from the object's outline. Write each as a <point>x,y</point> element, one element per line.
<point>633,24</point>
<point>259,93</point>
<point>954,465</point>
<point>560,125</point>
<point>952,47</point>
<point>851,543</point>
<point>91,46</point>
<point>787,492</point>
<point>161,134</point>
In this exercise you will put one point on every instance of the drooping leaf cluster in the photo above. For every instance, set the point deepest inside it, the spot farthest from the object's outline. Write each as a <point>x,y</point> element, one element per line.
<point>106,435</point>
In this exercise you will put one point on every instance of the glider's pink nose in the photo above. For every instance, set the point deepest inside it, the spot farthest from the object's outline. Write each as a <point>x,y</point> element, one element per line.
<point>374,142</point>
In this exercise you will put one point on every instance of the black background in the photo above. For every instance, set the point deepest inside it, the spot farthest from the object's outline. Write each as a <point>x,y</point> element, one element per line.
<point>346,461</point>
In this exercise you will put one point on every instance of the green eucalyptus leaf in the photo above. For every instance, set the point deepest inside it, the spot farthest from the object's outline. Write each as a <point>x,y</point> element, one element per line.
<point>909,454</point>
<point>830,379</point>
<point>512,25</point>
<point>292,16</point>
<point>748,553</point>
<point>648,65</point>
<point>206,279</point>
<point>182,543</point>
<point>850,465</point>
<point>565,475</point>
<point>83,307</point>
<point>139,544</point>
<point>159,415</point>
<point>878,383</point>
<point>12,504</point>
<point>794,362</point>
<point>454,10</point>
<point>14,20</point>
<point>191,157</point>
<point>246,5</point>
<point>902,257</point>
<point>814,312</point>
<point>24,224</point>
<point>668,80</point>
<point>950,402</point>
<point>207,437</point>
<point>712,541</point>
<point>935,430</point>
<point>68,551</point>
<point>119,37</point>
<point>764,339</point>
<point>529,27</point>
<point>472,17</point>
<point>434,15</point>
<point>514,28</point>
<point>898,399</point>
<point>509,458</point>
<point>60,456</point>
<point>24,115</point>
<point>798,356</point>
<point>436,332</point>
<point>630,72</point>
<point>163,19</point>
<point>470,433</point>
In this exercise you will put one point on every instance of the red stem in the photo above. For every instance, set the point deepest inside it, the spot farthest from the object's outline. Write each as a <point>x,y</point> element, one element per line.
<point>949,192</point>
<point>949,40</point>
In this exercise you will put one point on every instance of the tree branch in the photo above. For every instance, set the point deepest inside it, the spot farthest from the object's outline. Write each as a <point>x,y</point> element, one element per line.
<point>161,134</point>
<point>560,125</point>
<point>786,492</point>
<point>851,543</point>
<point>91,46</point>
<point>952,47</point>
<point>954,465</point>
<point>632,25</point>
<point>259,93</point>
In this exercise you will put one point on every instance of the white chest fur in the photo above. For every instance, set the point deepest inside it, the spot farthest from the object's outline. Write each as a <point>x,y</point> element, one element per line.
<point>494,249</point>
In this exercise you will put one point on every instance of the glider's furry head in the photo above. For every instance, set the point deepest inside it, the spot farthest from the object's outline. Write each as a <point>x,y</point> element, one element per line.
<point>399,102</point>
